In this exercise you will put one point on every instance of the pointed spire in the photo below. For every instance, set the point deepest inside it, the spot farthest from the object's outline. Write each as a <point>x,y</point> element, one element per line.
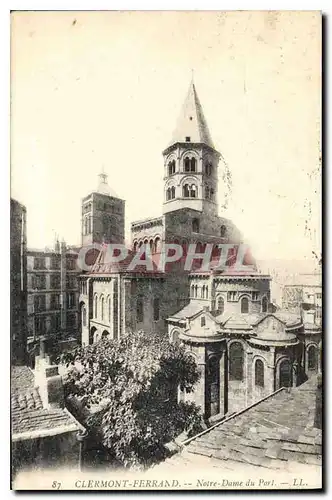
<point>191,125</point>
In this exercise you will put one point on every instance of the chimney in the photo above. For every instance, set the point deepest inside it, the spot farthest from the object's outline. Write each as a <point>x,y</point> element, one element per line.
<point>50,386</point>
<point>42,359</point>
<point>47,379</point>
<point>318,408</point>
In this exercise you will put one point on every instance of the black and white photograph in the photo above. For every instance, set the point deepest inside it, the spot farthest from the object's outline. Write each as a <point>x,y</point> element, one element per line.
<point>166,250</point>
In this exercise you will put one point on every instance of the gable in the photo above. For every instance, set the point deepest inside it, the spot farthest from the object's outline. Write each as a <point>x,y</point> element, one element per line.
<point>270,323</point>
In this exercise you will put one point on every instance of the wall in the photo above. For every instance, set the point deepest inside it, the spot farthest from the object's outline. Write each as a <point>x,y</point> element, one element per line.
<point>18,282</point>
<point>57,451</point>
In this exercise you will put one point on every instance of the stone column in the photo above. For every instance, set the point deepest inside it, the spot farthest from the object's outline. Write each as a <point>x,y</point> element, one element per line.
<point>320,357</point>
<point>248,375</point>
<point>318,408</point>
<point>126,306</point>
<point>295,373</point>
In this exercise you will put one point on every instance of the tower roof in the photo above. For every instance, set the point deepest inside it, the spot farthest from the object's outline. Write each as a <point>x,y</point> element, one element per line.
<point>103,187</point>
<point>191,125</point>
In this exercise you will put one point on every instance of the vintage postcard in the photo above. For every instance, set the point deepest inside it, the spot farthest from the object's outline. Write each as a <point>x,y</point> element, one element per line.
<point>166,281</point>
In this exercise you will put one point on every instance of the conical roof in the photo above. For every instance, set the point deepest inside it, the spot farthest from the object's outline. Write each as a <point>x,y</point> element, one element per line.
<point>191,125</point>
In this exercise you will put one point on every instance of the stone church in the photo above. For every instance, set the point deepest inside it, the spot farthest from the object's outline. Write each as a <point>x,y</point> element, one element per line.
<point>244,348</point>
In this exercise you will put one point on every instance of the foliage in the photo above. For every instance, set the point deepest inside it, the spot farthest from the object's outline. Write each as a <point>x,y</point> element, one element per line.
<point>130,386</point>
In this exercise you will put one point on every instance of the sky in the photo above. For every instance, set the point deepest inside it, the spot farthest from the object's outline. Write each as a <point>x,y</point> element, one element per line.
<point>103,90</point>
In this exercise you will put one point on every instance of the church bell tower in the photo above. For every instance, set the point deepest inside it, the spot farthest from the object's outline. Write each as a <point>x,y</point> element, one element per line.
<point>191,162</point>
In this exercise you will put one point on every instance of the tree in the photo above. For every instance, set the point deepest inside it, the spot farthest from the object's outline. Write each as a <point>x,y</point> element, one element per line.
<point>131,385</point>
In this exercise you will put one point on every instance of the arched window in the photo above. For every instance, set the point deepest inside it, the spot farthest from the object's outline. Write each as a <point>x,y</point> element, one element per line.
<point>102,308</point>
<point>157,244</point>
<point>171,167</point>
<point>203,322</point>
<point>175,336</point>
<point>135,246</point>
<point>285,374</point>
<point>220,305</point>
<point>193,165</point>
<point>168,194</point>
<point>140,244</point>
<point>223,231</point>
<point>192,290</point>
<point>172,192</point>
<point>185,191</point>
<point>244,305</point>
<point>96,307</point>
<point>151,246</point>
<point>208,168</point>
<point>187,164</point>
<point>236,359</point>
<point>312,358</point>
<point>259,373</point>
<point>104,335</point>
<point>193,191</point>
<point>195,226</point>
<point>156,309</point>
<point>92,335</point>
<point>139,310</point>
<point>264,304</point>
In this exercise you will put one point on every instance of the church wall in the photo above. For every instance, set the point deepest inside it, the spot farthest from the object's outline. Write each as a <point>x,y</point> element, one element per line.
<point>147,229</point>
<point>148,290</point>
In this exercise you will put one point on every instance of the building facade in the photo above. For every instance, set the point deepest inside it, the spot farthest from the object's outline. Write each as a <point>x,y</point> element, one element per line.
<point>53,292</point>
<point>243,347</point>
<point>18,282</point>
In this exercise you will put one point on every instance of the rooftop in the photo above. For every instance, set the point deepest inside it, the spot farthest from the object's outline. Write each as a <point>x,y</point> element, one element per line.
<point>28,417</point>
<point>276,433</point>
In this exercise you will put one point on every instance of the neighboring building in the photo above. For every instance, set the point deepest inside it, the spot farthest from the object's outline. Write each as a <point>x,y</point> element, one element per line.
<point>44,432</point>
<point>53,291</point>
<point>304,293</point>
<point>18,282</point>
<point>245,347</point>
